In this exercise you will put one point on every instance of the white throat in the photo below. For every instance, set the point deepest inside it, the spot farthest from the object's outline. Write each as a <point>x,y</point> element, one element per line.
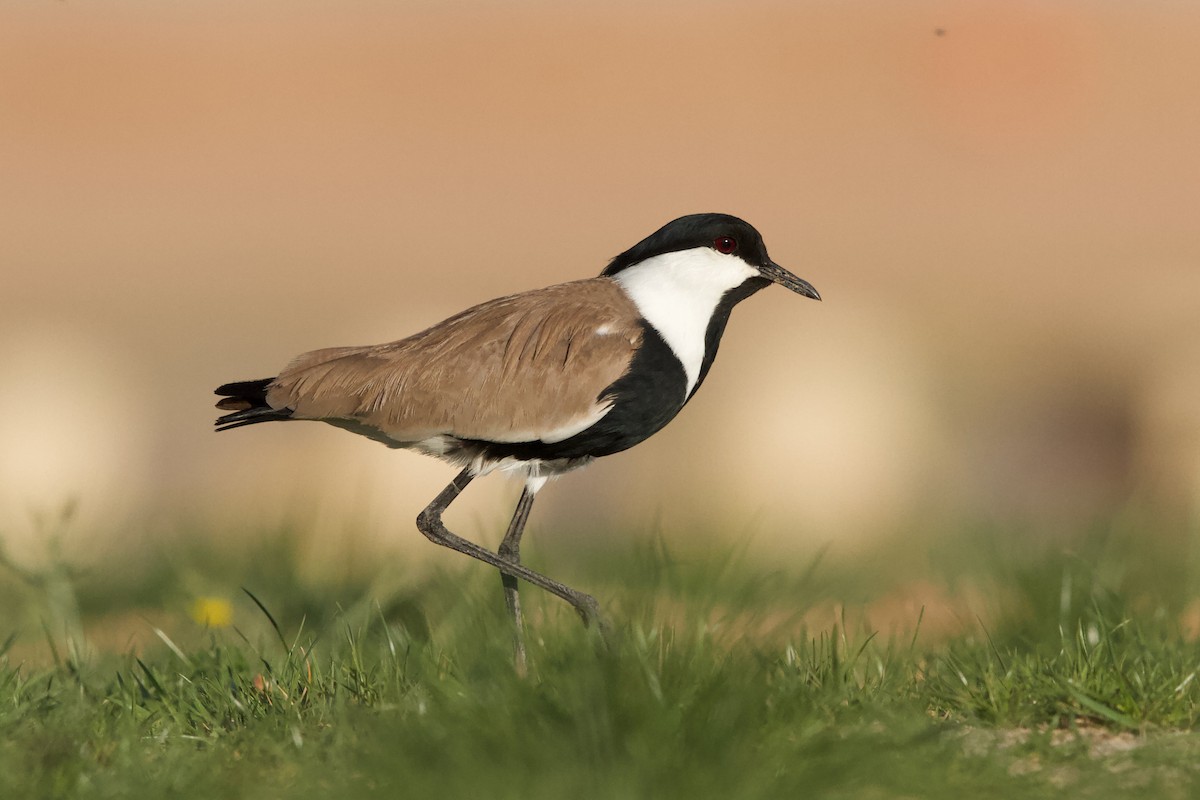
<point>678,292</point>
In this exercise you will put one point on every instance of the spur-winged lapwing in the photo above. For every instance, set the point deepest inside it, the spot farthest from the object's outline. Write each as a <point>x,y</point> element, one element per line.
<point>537,383</point>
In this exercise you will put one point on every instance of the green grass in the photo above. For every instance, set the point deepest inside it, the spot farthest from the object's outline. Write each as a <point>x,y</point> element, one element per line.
<point>1076,676</point>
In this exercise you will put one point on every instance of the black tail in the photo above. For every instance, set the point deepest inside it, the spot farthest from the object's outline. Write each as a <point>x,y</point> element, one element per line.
<point>248,402</point>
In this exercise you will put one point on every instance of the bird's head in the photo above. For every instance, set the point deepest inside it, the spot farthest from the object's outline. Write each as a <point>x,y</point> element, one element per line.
<point>718,251</point>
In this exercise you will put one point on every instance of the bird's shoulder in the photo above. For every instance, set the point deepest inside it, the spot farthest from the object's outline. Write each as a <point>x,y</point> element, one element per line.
<point>595,307</point>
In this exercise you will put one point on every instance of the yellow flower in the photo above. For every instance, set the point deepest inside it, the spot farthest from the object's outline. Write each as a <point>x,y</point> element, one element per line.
<point>212,612</point>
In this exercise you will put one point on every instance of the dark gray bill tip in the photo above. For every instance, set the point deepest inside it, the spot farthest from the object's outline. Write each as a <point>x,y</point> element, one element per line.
<point>778,274</point>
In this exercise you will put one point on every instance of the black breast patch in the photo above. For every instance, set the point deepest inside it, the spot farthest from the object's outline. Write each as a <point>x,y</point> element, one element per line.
<point>644,399</point>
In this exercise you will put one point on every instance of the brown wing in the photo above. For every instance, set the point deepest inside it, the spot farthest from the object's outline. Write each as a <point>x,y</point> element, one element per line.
<point>521,368</point>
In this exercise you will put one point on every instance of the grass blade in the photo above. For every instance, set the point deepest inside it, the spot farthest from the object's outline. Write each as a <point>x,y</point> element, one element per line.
<point>271,619</point>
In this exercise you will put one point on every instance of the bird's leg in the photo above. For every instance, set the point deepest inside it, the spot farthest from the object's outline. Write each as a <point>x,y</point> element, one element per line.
<point>510,551</point>
<point>429,522</point>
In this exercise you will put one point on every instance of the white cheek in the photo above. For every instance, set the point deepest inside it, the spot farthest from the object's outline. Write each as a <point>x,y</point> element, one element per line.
<point>678,292</point>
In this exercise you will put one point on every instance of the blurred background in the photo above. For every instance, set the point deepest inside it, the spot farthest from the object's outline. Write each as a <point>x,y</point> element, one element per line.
<point>999,202</point>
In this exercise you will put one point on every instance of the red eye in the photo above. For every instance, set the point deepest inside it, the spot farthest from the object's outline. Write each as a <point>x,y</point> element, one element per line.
<point>725,244</point>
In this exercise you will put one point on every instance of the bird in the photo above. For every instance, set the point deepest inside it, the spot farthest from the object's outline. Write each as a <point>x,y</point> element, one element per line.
<point>537,383</point>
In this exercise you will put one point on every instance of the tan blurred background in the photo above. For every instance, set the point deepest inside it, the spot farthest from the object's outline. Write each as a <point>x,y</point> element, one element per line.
<point>1000,202</point>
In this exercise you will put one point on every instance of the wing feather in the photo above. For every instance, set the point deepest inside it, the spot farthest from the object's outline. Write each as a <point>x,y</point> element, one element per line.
<point>526,367</point>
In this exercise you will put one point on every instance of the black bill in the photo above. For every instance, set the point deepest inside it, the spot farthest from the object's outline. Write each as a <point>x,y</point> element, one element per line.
<point>778,274</point>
